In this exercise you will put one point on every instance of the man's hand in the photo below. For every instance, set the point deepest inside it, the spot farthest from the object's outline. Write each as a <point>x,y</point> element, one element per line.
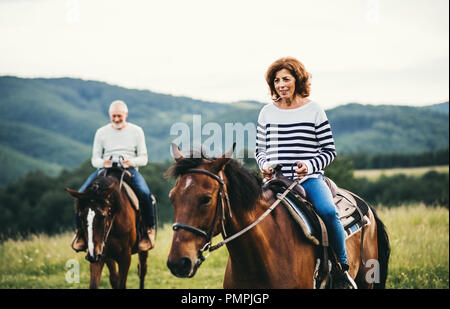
<point>126,163</point>
<point>267,173</point>
<point>302,170</point>
<point>107,163</point>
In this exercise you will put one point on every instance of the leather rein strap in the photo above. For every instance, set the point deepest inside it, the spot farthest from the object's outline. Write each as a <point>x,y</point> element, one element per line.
<point>220,204</point>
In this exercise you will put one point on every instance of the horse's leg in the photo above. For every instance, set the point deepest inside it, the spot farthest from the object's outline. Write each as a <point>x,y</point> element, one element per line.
<point>96,273</point>
<point>124,266</point>
<point>113,274</point>
<point>142,268</point>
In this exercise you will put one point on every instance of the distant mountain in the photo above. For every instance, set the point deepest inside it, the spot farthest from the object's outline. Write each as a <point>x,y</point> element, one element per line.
<point>50,124</point>
<point>388,128</point>
<point>441,107</point>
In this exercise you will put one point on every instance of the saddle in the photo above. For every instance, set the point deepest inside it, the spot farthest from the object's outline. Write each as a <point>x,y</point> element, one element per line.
<point>351,209</point>
<point>125,179</point>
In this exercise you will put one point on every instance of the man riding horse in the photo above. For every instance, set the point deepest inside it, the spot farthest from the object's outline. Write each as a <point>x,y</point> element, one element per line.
<point>122,139</point>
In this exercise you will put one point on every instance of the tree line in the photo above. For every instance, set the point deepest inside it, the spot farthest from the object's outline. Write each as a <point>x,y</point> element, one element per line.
<point>363,160</point>
<point>38,202</point>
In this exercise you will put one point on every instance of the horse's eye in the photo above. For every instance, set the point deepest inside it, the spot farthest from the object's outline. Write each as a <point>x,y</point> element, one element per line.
<point>204,200</point>
<point>101,212</point>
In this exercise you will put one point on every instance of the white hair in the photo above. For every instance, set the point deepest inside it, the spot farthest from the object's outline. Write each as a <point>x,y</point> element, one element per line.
<point>118,105</point>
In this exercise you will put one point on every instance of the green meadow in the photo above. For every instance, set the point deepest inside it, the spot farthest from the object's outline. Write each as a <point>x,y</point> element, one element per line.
<point>419,238</point>
<point>374,174</point>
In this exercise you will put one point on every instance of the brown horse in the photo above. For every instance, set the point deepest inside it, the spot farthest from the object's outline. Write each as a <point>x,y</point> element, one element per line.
<point>273,253</point>
<point>108,221</point>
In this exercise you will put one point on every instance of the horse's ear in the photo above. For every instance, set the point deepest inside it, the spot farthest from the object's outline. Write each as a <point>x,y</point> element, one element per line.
<point>229,153</point>
<point>219,164</point>
<point>74,193</point>
<point>177,155</point>
<point>223,160</point>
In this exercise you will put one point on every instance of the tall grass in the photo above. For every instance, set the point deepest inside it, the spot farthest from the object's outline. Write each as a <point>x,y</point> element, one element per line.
<point>419,239</point>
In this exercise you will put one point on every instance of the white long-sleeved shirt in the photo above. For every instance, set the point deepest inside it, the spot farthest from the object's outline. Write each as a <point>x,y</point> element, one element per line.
<point>128,142</point>
<point>288,136</point>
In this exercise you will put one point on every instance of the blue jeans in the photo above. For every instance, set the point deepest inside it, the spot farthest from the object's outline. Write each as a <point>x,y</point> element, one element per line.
<point>322,199</point>
<point>145,198</point>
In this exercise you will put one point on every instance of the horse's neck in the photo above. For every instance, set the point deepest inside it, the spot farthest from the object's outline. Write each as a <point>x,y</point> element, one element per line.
<point>272,253</point>
<point>124,210</point>
<point>251,248</point>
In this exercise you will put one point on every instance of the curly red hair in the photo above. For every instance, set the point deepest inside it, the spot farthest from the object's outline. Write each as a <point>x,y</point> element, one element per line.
<point>297,69</point>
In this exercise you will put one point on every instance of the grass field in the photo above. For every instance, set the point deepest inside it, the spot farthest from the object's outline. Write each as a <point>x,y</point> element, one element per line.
<point>419,239</point>
<point>410,171</point>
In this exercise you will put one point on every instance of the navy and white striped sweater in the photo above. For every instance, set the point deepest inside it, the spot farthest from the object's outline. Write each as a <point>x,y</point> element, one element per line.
<point>287,136</point>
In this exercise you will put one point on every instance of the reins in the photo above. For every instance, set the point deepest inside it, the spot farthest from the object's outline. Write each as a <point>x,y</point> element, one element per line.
<point>208,235</point>
<point>107,234</point>
<point>265,214</point>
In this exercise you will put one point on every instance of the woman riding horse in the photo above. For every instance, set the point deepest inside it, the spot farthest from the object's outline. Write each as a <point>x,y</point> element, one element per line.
<point>265,245</point>
<point>295,130</point>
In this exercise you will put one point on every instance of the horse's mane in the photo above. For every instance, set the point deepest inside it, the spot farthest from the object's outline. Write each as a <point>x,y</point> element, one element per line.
<point>245,186</point>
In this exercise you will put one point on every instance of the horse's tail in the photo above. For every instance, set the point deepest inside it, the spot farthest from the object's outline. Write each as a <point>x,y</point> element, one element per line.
<point>384,251</point>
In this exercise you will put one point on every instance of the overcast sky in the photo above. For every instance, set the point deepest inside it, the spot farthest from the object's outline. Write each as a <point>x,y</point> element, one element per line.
<point>367,51</point>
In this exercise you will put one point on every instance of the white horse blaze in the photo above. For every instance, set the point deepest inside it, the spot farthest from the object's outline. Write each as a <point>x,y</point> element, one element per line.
<point>90,222</point>
<point>188,183</point>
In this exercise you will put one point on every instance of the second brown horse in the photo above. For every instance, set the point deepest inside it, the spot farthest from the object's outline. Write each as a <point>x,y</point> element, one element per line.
<point>108,221</point>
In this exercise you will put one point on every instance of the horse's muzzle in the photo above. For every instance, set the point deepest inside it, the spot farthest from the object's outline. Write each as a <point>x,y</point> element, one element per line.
<point>93,259</point>
<point>181,268</point>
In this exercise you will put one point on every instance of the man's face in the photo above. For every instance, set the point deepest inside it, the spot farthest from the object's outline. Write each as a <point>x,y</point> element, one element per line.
<point>118,119</point>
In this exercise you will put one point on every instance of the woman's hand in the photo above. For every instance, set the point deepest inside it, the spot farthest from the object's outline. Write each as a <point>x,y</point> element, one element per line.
<point>302,170</point>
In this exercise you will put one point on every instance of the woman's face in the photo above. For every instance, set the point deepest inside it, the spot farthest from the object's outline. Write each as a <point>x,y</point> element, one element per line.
<point>284,84</point>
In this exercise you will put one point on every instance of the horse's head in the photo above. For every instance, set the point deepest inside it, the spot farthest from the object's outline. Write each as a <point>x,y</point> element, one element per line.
<point>196,197</point>
<point>95,211</point>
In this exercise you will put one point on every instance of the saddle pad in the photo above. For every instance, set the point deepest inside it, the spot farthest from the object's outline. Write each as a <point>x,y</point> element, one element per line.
<point>301,219</point>
<point>351,209</point>
<point>132,196</point>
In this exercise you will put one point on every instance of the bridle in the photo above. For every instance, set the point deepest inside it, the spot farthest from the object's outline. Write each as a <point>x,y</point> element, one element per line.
<point>103,172</point>
<point>105,239</point>
<point>222,200</point>
<point>106,228</point>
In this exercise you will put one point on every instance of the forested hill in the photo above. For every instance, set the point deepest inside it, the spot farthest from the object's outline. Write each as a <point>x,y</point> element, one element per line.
<point>50,123</point>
